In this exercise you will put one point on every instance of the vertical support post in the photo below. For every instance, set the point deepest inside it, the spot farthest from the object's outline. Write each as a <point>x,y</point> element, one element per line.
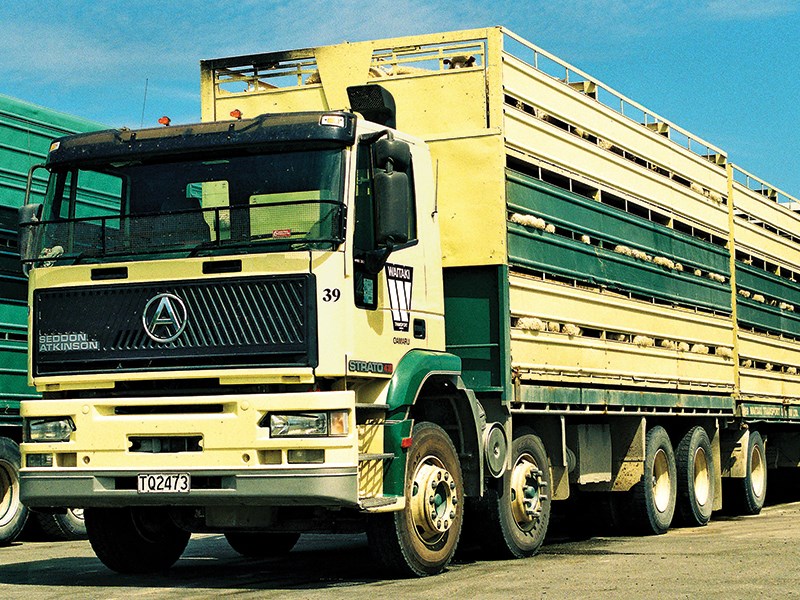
<point>208,91</point>
<point>732,251</point>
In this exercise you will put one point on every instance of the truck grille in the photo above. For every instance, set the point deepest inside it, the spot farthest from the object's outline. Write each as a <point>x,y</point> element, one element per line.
<point>267,321</point>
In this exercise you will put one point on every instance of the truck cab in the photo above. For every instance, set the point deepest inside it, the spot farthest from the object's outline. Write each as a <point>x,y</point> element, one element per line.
<point>218,311</point>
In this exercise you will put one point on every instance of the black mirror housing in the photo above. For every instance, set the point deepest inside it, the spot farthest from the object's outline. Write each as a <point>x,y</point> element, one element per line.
<point>392,152</point>
<point>392,208</point>
<point>27,217</point>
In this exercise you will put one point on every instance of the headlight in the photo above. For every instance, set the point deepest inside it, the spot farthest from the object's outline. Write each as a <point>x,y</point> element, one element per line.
<point>56,429</point>
<point>308,424</point>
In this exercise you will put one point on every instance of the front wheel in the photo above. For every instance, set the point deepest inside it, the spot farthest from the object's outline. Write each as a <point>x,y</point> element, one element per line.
<point>70,525</point>
<point>518,511</point>
<point>135,540</point>
<point>261,545</point>
<point>13,513</point>
<point>422,538</point>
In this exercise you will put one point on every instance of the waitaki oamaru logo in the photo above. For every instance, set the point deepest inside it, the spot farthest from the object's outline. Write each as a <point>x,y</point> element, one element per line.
<point>164,318</point>
<point>399,280</point>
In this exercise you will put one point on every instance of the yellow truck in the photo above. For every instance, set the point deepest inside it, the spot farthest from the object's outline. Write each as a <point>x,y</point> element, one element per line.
<point>410,287</point>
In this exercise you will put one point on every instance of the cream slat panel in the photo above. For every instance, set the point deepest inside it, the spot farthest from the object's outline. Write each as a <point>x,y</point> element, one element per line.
<point>765,209</point>
<point>769,349</point>
<point>766,244</point>
<point>542,140</point>
<point>558,99</point>
<point>558,357</point>
<point>542,355</point>
<point>612,312</point>
<point>773,350</point>
<point>765,385</point>
<point>752,236</point>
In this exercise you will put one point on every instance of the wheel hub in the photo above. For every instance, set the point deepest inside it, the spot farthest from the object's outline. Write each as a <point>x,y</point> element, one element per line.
<point>433,499</point>
<point>702,478</point>
<point>526,491</point>
<point>662,486</point>
<point>758,472</point>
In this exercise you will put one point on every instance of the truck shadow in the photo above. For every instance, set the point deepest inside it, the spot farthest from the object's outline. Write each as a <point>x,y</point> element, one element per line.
<point>318,562</point>
<point>328,562</point>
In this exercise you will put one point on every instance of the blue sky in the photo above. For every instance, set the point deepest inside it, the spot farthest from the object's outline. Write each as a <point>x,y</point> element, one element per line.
<point>726,70</point>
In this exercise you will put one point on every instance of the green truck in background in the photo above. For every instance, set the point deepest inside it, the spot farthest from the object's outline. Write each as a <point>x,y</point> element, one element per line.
<point>26,132</point>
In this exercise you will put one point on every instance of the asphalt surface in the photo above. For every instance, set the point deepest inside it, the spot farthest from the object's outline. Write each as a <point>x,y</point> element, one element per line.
<point>733,557</point>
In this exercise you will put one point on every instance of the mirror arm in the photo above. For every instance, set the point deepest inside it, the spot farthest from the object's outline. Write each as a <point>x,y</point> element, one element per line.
<point>371,138</point>
<point>29,181</point>
<point>375,260</point>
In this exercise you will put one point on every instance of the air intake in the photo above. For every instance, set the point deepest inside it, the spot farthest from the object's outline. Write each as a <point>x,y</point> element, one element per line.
<point>375,103</point>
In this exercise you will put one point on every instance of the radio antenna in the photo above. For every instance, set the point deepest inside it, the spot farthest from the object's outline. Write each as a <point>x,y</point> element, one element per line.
<point>144,102</point>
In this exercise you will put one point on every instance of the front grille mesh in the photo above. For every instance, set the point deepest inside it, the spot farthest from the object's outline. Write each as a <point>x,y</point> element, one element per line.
<point>245,322</point>
<point>230,316</point>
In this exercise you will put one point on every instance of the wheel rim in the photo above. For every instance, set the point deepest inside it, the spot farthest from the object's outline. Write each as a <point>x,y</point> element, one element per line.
<point>702,477</point>
<point>433,500</point>
<point>758,472</point>
<point>9,493</point>
<point>662,486</point>
<point>77,513</point>
<point>526,485</point>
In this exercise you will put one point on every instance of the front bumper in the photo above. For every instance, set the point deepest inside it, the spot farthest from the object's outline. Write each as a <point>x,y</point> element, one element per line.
<point>233,462</point>
<point>286,487</point>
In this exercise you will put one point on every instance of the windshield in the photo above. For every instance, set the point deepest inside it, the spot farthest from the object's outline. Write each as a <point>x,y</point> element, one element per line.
<point>236,203</point>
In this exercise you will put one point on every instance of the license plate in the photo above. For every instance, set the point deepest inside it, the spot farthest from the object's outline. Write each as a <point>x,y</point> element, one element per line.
<point>163,483</point>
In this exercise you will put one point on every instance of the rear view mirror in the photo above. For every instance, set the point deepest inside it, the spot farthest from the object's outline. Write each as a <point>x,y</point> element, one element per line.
<point>392,208</point>
<point>392,191</point>
<point>28,216</point>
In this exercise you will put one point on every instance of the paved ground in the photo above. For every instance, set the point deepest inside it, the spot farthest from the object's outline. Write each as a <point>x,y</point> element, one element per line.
<point>752,557</point>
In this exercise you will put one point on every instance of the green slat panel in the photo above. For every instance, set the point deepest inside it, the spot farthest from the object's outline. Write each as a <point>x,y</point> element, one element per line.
<point>14,317</point>
<point>8,407</point>
<point>624,398</point>
<point>475,295</point>
<point>759,280</point>
<point>602,222</point>
<point>555,254</point>
<point>26,131</point>
<point>14,373</point>
<point>771,318</point>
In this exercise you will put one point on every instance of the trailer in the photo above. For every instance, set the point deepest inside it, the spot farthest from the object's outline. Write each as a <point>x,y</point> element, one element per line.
<point>26,131</point>
<point>410,287</point>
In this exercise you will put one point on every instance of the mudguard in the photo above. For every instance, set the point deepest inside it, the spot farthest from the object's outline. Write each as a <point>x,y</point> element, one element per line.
<point>411,373</point>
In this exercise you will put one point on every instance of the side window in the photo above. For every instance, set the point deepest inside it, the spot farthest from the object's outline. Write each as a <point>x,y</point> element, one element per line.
<point>213,195</point>
<point>364,237</point>
<point>365,284</point>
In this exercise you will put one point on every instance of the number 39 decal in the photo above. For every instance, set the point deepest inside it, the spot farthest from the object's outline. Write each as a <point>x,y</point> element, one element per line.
<point>331,295</point>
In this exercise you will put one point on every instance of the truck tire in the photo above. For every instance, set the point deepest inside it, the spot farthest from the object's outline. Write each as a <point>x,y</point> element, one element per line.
<point>518,510</point>
<point>135,540</point>
<point>422,538</point>
<point>261,545</point>
<point>651,503</point>
<point>745,496</point>
<point>696,477</point>
<point>13,514</point>
<point>68,526</point>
